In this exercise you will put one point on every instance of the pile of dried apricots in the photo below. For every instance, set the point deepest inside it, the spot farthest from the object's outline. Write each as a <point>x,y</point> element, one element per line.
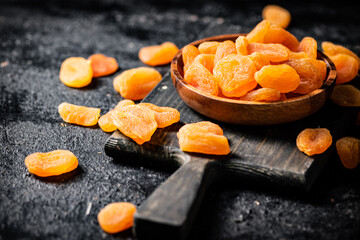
<point>265,65</point>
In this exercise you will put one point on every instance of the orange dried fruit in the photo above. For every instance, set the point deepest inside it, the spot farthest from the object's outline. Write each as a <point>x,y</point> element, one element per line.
<point>208,47</point>
<point>136,83</point>
<point>259,59</point>
<point>262,95</point>
<point>309,46</point>
<point>346,67</point>
<point>116,217</point>
<point>298,55</point>
<point>76,72</point>
<point>332,49</point>
<point>135,122</point>
<point>102,65</point>
<point>241,44</point>
<point>201,78</point>
<point>313,141</point>
<point>207,60</point>
<point>164,116</point>
<point>51,163</point>
<point>348,149</point>
<point>203,137</point>
<point>275,51</point>
<point>277,15</point>
<point>225,48</point>
<point>158,54</point>
<point>80,115</point>
<point>235,75</point>
<point>281,77</point>
<point>257,34</point>
<point>189,53</point>
<point>277,34</point>
<point>346,96</point>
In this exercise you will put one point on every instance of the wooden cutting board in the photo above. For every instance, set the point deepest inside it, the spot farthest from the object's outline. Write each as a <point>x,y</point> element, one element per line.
<point>267,154</point>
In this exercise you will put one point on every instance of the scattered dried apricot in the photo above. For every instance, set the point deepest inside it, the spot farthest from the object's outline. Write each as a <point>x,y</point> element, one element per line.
<point>116,217</point>
<point>76,72</point>
<point>164,116</point>
<point>313,141</point>
<point>309,45</point>
<point>346,67</point>
<point>189,53</point>
<point>80,115</point>
<point>201,78</point>
<point>136,83</point>
<point>275,51</point>
<point>51,163</point>
<point>257,34</point>
<point>277,15</point>
<point>102,65</point>
<point>225,48</point>
<point>158,54</point>
<point>346,95</point>
<point>203,137</point>
<point>348,149</point>
<point>332,49</point>
<point>208,47</point>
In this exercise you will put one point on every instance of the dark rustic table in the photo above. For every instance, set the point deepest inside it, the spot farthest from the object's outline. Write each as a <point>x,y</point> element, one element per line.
<point>36,36</point>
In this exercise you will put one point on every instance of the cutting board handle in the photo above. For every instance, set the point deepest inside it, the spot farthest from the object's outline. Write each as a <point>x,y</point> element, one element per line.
<point>169,212</point>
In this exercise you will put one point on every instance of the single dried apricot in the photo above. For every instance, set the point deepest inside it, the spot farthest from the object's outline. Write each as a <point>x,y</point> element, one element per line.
<point>158,54</point>
<point>257,34</point>
<point>201,78</point>
<point>241,44</point>
<point>309,45</point>
<point>136,122</point>
<point>136,83</point>
<point>80,115</point>
<point>313,141</point>
<point>116,217</point>
<point>102,65</point>
<point>235,75</point>
<point>208,47</point>
<point>281,77</point>
<point>189,53</point>
<point>275,51</point>
<point>164,116</point>
<point>262,95</point>
<point>332,49</point>
<point>225,48</point>
<point>51,163</point>
<point>277,15</point>
<point>277,34</point>
<point>207,60</point>
<point>346,95</point>
<point>203,137</point>
<point>348,149</point>
<point>298,55</point>
<point>76,72</point>
<point>259,59</point>
<point>346,67</point>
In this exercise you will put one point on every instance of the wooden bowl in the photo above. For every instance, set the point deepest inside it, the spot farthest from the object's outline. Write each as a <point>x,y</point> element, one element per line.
<point>249,112</point>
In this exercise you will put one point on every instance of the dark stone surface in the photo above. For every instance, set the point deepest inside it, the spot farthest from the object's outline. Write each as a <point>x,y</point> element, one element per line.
<point>37,36</point>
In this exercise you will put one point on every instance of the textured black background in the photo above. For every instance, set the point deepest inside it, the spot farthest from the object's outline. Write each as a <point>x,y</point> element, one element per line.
<point>36,36</point>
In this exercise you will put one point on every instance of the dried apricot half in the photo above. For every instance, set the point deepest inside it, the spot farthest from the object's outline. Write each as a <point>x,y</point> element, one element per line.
<point>276,52</point>
<point>51,163</point>
<point>313,141</point>
<point>277,15</point>
<point>164,116</point>
<point>158,54</point>
<point>76,72</point>
<point>189,53</point>
<point>116,217</point>
<point>262,95</point>
<point>80,115</point>
<point>309,45</point>
<point>346,67</point>
<point>208,47</point>
<point>348,149</point>
<point>102,65</point>
<point>225,48</point>
<point>332,49</point>
<point>257,34</point>
<point>201,78</point>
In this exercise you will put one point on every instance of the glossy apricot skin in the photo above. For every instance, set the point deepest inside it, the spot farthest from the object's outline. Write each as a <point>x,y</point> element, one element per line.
<point>189,53</point>
<point>313,141</point>
<point>257,34</point>
<point>332,49</point>
<point>224,49</point>
<point>201,78</point>
<point>80,115</point>
<point>276,34</point>
<point>106,121</point>
<point>76,72</point>
<point>262,95</point>
<point>241,44</point>
<point>158,54</point>
<point>347,67</point>
<point>164,116</point>
<point>274,51</point>
<point>51,163</point>
<point>208,47</point>
<point>309,46</point>
<point>277,15</point>
<point>207,60</point>
<point>102,65</point>
<point>348,149</point>
<point>116,217</point>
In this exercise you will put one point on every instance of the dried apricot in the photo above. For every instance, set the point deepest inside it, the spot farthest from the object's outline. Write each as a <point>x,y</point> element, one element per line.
<point>262,95</point>
<point>259,59</point>
<point>51,163</point>
<point>298,55</point>
<point>189,53</point>
<point>158,54</point>
<point>235,75</point>
<point>309,45</point>
<point>203,137</point>
<point>225,48</point>
<point>201,78</point>
<point>348,149</point>
<point>281,77</point>
<point>76,72</point>
<point>332,49</point>
<point>102,65</point>
<point>346,95</point>
<point>314,140</point>
<point>208,47</point>
<point>275,51</point>
<point>136,83</point>
<point>207,60</point>
<point>346,67</point>
<point>164,116</point>
<point>257,34</point>
<point>241,44</point>
<point>276,34</point>
<point>136,122</point>
<point>277,15</point>
<point>80,115</point>
<point>116,217</point>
